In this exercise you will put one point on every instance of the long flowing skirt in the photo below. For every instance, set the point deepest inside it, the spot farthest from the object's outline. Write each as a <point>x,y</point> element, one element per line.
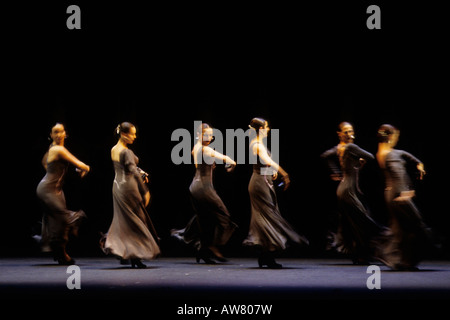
<point>268,229</point>
<point>211,225</point>
<point>358,235</point>
<point>408,235</point>
<point>131,234</point>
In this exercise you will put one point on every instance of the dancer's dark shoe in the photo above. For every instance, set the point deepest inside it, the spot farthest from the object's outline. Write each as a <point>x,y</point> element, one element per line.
<point>205,255</point>
<point>269,262</point>
<point>138,264</point>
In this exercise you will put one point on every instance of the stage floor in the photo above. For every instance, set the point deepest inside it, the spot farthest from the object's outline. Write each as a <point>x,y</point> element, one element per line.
<point>239,279</point>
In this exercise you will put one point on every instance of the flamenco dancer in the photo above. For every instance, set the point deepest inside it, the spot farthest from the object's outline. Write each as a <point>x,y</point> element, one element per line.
<point>131,235</point>
<point>269,232</point>
<point>357,233</point>
<point>211,226</point>
<point>58,222</point>
<point>408,234</point>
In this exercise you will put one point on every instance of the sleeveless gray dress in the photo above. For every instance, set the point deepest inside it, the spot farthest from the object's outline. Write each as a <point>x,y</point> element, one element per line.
<point>268,229</point>
<point>211,225</point>
<point>131,234</point>
<point>58,222</point>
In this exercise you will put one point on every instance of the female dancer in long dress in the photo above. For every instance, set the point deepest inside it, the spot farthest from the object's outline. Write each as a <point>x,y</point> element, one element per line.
<point>269,232</point>
<point>211,225</point>
<point>58,222</point>
<point>357,233</point>
<point>131,235</point>
<point>408,233</point>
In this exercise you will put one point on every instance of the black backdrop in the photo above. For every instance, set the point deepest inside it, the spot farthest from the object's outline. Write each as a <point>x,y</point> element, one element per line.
<point>304,69</point>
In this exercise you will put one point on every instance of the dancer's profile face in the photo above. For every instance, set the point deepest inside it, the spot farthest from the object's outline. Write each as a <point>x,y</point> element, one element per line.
<point>130,136</point>
<point>207,136</point>
<point>265,130</point>
<point>58,133</point>
<point>393,139</point>
<point>347,134</point>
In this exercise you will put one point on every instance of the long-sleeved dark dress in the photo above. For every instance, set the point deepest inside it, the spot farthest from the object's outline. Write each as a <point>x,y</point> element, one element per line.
<point>408,233</point>
<point>356,230</point>
<point>211,225</point>
<point>268,229</point>
<point>131,234</point>
<point>58,221</point>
